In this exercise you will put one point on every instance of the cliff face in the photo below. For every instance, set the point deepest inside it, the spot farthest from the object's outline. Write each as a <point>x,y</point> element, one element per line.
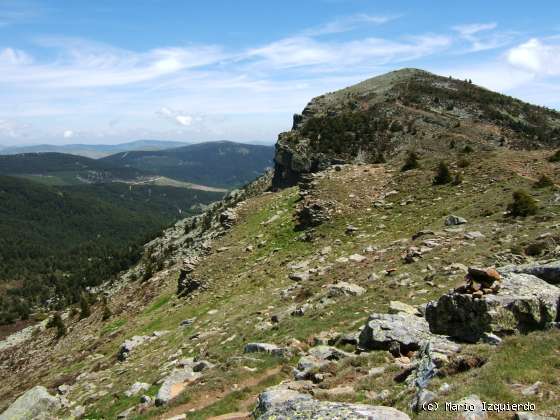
<point>404,109</point>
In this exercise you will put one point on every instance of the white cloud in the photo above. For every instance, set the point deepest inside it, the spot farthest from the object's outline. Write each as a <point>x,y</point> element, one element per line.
<point>177,117</point>
<point>536,57</point>
<point>68,134</point>
<point>14,57</point>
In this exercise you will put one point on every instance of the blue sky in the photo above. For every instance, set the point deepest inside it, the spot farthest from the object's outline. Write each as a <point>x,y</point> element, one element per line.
<point>113,71</point>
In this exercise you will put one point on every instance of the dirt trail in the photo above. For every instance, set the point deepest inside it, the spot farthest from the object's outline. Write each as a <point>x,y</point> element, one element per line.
<point>210,398</point>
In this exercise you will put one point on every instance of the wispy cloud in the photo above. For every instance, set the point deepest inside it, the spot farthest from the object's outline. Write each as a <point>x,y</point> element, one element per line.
<point>482,36</point>
<point>347,23</point>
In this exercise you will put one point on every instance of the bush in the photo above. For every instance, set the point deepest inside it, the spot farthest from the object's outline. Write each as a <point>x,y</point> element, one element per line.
<point>85,310</point>
<point>468,149</point>
<point>57,322</point>
<point>543,182</point>
<point>443,176</point>
<point>523,205</point>
<point>555,157</point>
<point>411,162</point>
<point>463,163</point>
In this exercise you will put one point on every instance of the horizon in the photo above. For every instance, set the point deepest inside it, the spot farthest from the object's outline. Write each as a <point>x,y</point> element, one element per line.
<point>107,73</point>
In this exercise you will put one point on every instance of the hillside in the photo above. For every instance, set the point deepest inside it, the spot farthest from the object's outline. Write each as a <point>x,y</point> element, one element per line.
<point>55,241</point>
<point>360,280</point>
<point>218,164</point>
<point>93,151</point>
<point>65,169</point>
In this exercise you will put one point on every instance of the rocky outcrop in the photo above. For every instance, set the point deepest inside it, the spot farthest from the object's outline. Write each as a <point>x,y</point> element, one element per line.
<point>35,404</point>
<point>282,404</point>
<point>401,333</point>
<point>549,272</point>
<point>523,303</point>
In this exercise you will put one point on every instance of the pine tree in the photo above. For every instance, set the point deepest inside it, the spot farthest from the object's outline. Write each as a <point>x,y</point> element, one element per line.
<point>411,162</point>
<point>85,310</point>
<point>443,176</point>
<point>58,323</point>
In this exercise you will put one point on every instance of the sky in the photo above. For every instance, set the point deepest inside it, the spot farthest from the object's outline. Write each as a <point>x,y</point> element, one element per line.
<point>104,71</point>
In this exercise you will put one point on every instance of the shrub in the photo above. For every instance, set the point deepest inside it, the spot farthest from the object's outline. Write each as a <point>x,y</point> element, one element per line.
<point>543,182</point>
<point>443,176</point>
<point>468,149</point>
<point>57,322</point>
<point>523,205</point>
<point>463,163</point>
<point>85,310</point>
<point>555,157</point>
<point>411,162</point>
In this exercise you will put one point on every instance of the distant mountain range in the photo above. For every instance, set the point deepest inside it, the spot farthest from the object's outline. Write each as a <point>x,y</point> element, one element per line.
<point>94,151</point>
<point>219,164</point>
<point>215,164</point>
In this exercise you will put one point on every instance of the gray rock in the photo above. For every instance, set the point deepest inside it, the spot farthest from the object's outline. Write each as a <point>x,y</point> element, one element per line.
<point>471,408</point>
<point>524,303</point>
<point>299,276</point>
<point>532,390</point>
<point>126,413</point>
<point>129,345</point>
<point>175,383</point>
<point>267,348</point>
<point>473,235</point>
<point>453,220</point>
<point>136,387</point>
<point>78,411</point>
<point>282,404</point>
<point>401,333</point>
<point>317,358</point>
<point>549,272</point>
<point>343,288</point>
<point>35,404</point>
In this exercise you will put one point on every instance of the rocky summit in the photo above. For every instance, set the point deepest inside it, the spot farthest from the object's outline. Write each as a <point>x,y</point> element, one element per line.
<point>403,252</point>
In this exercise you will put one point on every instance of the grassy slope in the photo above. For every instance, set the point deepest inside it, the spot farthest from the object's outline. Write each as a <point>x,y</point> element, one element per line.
<point>245,286</point>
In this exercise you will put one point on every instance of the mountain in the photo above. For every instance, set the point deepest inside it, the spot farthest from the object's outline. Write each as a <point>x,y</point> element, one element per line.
<point>93,150</point>
<point>403,256</point>
<point>405,109</point>
<point>56,240</point>
<point>218,164</point>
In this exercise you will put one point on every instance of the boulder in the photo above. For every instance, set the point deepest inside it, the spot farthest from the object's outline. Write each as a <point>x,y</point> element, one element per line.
<point>549,272</point>
<point>453,220</point>
<point>523,303</point>
<point>34,404</point>
<point>272,349</point>
<point>136,387</point>
<point>343,288</point>
<point>175,383</point>
<point>281,404</point>
<point>317,358</point>
<point>401,333</point>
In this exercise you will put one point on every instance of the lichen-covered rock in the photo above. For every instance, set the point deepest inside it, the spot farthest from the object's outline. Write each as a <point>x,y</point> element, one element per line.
<point>34,404</point>
<point>282,404</point>
<point>400,333</point>
<point>523,303</point>
<point>317,358</point>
